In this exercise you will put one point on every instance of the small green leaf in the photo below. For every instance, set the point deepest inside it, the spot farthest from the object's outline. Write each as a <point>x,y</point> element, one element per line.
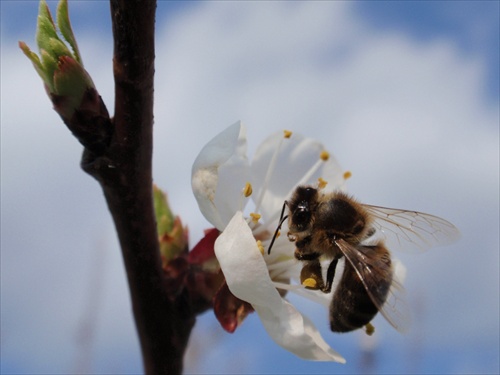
<point>34,59</point>
<point>65,27</point>
<point>164,216</point>
<point>46,29</point>
<point>171,234</point>
<point>59,64</point>
<point>49,64</point>
<point>44,11</point>
<point>57,48</point>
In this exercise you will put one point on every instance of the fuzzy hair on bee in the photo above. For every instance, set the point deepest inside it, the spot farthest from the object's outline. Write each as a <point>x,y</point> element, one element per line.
<point>333,226</point>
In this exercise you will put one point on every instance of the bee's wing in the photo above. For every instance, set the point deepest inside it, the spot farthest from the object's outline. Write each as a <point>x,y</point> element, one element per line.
<point>411,230</point>
<point>371,270</point>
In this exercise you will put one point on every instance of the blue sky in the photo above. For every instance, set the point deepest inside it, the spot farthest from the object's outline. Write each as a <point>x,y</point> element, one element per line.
<point>405,94</point>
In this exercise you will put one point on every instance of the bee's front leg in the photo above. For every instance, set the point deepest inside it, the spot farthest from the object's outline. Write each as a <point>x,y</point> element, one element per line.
<point>303,250</point>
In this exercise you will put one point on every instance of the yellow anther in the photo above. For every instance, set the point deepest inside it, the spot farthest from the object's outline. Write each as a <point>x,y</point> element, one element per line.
<point>322,183</point>
<point>247,190</point>
<point>287,133</point>
<point>347,174</point>
<point>310,283</point>
<point>255,217</point>
<point>325,155</point>
<point>261,248</point>
<point>369,329</point>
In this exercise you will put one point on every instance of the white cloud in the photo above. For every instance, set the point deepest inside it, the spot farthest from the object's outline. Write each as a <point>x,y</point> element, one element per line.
<point>408,118</point>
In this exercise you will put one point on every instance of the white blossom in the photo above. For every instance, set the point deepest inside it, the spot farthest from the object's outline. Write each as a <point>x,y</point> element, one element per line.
<point>222,182</point>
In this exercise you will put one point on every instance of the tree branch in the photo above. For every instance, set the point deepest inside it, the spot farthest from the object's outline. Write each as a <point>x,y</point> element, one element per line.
<point>163,321</point>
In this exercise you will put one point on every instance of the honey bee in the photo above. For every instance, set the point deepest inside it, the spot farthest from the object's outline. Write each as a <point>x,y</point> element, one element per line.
<point>334,226</point>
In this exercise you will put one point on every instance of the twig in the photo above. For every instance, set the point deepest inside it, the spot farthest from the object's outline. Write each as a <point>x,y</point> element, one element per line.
<point>163,321</point>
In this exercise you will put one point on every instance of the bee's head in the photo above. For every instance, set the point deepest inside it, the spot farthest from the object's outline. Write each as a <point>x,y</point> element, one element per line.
<point>302,207</point>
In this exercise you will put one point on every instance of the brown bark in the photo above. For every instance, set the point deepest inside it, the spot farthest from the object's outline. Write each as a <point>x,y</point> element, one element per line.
<point>164,321</point>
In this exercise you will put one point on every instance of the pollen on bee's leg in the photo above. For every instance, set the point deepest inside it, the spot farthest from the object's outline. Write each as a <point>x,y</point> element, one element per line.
<point>287,133</point>
<point>369,329</point>
<point>311,276</point>
<point>261,247</point>
<point>310,283</point>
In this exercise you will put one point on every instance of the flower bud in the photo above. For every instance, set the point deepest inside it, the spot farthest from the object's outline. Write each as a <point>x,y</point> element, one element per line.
<point>67,83</point>
<point>60,68</point>
<point>172,235</point>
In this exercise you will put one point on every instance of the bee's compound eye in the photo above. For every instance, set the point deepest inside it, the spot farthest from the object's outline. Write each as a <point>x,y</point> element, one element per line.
<point>302,216</point>
<point>309,192</point>
<point>306,192</point>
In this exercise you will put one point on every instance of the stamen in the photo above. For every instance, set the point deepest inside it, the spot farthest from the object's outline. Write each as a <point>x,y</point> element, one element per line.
<point>321,298</point>
<point>284,286</point>
<point>311,171</point>
<point>323,157</point>
<point>245,193</point>
<point>255,217</point>
<point>269,173</point>
<point>287,133</point>
<point>260,231</point>
<point>282,263</point>
<point>322,183</point>
<point>347,174</point>
<point>260,246</point>
<point>247,190</point>
<point>311,295</point>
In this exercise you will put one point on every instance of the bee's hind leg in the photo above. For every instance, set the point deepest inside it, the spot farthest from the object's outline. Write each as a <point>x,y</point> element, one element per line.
<point>311,276</point>
<point>330,274</point>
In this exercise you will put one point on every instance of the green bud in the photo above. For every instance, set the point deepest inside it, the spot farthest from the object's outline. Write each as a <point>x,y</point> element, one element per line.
<point>172,235</point>
<point>59,66</point>
<point>66,30</point>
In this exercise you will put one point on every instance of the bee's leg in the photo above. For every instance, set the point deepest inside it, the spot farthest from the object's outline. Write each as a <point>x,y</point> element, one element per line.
<point>303,251</point>
<point>330,274</point>
<point>306,256</point>
<point>311,276</point>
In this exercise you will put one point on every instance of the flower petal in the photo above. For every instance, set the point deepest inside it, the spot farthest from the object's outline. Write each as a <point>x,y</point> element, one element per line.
<point>243,265</point>
<point>295,160</point>
<point>219,174</point>
<point>296,333</point>
<point>248,279</point>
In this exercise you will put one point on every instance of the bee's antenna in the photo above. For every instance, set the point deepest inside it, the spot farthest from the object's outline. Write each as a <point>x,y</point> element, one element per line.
<point>282,220</point>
